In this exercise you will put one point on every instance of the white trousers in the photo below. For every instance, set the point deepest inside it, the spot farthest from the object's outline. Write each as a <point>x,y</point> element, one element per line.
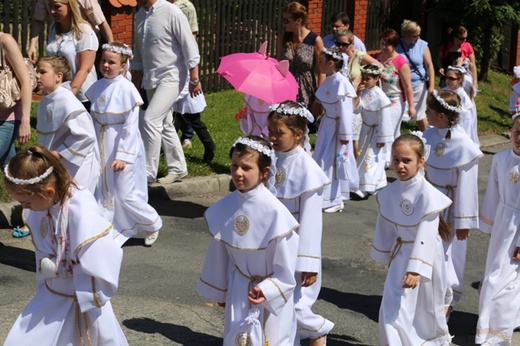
<point>157,126</point>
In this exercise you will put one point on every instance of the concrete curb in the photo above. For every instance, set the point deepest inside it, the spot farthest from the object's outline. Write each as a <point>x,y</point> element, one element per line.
<point>10,213</point>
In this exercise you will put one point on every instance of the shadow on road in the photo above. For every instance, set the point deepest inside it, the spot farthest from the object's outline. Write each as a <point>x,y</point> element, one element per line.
<point>181,209</point>
<point>16,257</point>
<point>180,334</point>
<point>366,305</point>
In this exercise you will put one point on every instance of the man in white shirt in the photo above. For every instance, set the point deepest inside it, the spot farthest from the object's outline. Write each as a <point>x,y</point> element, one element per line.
<point>165,52</point>
<point>340,21</point>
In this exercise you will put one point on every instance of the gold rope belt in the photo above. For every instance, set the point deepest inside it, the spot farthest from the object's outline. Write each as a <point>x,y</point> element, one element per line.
<point>397,247</point>
<point>78,312</point>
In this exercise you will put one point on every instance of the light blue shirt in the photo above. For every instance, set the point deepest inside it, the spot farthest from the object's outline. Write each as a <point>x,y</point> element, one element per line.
<point>416,53</point>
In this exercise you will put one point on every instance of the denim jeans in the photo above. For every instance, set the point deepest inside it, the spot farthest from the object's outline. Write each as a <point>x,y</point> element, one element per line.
<point>8,134</point>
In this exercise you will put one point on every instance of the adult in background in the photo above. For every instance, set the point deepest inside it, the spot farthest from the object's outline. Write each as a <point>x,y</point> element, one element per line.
<point>165,53</point>
<point>341,21</point>
<point>187,109</point>
<point>417,54</point>
<point>456,47</point>
<point>396,80</point>
<point>14,121</point>
<point>90,12</point>
<point>73,38</point>
<point>302,48</point>
<point>345,41</point>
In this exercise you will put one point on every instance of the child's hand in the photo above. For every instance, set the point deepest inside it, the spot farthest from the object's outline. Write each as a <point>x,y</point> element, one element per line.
<point>380,145</point>
<point>516,254</point>
<point>256,296</point>
<point>222,305</point>
<point>411,280</point>
<point>118,165</point>
<point>308,278</point>
<point>462,234</point>
<point>361,87</point>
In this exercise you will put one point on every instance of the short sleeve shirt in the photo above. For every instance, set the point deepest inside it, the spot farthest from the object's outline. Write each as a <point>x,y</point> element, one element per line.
<point>90,11</point>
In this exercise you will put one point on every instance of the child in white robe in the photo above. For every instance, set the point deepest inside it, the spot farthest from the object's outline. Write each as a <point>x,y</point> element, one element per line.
<point>377,132</point>
<point>336,95</point>
<point>409,235</point>
<point>499,304</point>
<point>514,98</point>
<point>63,124</point>
<point>77,260</point>
<point>254,119</point>
<point>122,189</point>
<point>298,185</point>
<point>251,257</point>
<point>452,167</point>
<point>468,118</point>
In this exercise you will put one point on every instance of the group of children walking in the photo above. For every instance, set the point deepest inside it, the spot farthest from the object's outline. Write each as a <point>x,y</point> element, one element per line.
<point>82,187</point>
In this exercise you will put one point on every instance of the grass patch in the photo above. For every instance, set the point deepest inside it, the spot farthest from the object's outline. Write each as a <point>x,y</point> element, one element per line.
<point>219,116</point>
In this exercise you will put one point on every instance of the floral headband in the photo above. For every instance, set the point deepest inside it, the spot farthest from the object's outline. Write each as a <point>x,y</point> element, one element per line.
<point>31,181</point>
<point>458,68</point>
<point>255,145</point>
<point>332,54</point>
<point>375,72</point>
<point>445,105</point>
<point>119,50</point>
<point>284,108</point>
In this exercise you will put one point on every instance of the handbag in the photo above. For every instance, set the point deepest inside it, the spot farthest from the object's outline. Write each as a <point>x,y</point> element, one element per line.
<point>10,91</point>
<point>423,78</point>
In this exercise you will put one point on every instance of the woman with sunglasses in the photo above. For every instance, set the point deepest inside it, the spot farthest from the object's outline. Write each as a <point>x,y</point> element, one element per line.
<point>456,47</point>
<point>419,58</point>
<point>302,48</point>
<point>356,58</point>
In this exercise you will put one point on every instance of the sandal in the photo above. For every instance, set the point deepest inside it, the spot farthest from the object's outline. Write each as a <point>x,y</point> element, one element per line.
<point>21,232</point>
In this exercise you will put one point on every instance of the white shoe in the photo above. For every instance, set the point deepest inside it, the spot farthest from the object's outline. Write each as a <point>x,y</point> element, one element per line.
<point>335,208</point>
<point>151,238</point>
<point>186,144</point>
<point>172,177</point>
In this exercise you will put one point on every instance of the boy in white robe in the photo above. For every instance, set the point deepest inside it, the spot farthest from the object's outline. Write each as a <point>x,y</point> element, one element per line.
<point>499,304</point>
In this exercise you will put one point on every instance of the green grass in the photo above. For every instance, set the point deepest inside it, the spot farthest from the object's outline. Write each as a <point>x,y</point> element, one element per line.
<point>219,116</point>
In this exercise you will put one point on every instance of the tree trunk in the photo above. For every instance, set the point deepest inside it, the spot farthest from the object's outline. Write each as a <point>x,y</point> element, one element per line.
<point>486,54</point>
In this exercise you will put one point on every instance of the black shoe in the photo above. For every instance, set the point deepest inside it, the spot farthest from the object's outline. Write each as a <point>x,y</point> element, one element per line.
<point>209,154</point>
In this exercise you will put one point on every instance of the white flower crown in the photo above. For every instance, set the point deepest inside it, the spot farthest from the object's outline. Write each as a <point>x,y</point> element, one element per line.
<point>26,181</point>
<point>120,50</point>
<point>445,105</point>
<point>255,145</point>
<point>458,68</point>
<point>377,72</point>
<point>332,54</point>
<point>284,108</point>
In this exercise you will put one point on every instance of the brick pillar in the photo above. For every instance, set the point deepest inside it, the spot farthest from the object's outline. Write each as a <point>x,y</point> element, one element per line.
<point>121,19</point>
<point>314,14</point>
<point>516,61</point>
<point>359,22</point>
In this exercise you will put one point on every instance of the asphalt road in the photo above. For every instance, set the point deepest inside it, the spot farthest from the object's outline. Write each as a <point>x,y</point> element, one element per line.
<point>157,303</point>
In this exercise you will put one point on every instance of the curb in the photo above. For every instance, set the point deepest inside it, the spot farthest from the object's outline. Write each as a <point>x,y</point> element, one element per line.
<point>10,213</point>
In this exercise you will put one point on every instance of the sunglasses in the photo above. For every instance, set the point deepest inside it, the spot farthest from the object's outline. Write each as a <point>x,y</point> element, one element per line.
<point>342,44</point>
<point>452,78</point>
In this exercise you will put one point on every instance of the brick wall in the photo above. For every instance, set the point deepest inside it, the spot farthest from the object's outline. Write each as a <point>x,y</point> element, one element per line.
<point>517,56</point>
<point>121,22</point>
<point>314,14</point>
<point>359,20</point>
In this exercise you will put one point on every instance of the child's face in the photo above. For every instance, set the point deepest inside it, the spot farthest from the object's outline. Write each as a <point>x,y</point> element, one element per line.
<point>436,119</point>
<point>245,173</point>
<point>111,65</point>
<point>324,65</point>
<point>453,81</point>
<point>47,79</point>
<point>35,202</point>
<point>515,136</point>
<point>369,80</point>
<point>405,161</point>
<point>282,137</point>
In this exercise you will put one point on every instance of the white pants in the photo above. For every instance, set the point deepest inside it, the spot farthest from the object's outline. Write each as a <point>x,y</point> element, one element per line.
<point>157,126</point>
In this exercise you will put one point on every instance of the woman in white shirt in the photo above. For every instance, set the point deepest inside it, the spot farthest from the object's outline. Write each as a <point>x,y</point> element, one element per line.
<point>73,38</point>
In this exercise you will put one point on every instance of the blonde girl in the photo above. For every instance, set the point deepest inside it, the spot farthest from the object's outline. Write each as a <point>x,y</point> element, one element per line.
<point>409,238</point>
<point>77,261</point>
<point>452,168</point>
<point>298,185</point>
<point>122,190</point>
<point>251,258</point>
<point>63,124</point>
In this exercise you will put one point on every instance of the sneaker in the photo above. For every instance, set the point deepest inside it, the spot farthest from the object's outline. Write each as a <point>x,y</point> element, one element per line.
<point>358,195</point>
<point>172,177</point>
<point>151,238</point>
<point>335,208</point>
<point>186,144</point>
<point>209,153</point>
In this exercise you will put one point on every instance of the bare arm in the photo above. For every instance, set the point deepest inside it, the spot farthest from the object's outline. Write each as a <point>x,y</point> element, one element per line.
<point>86,63</point>
<point>406,77</point>
<point>194,75</point>
<point>473,68</point>
<point>106,32</point>
<point>36,30</point>
<point>318,46</point>
<point>15,59</point>
<point>368,60</point>
<point>428,64</point>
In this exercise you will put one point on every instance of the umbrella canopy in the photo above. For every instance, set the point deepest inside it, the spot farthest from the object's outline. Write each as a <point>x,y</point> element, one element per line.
<point>259,75</point>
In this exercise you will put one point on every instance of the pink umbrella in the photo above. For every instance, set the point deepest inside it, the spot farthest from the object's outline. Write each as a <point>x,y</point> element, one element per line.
<point>258,75</point>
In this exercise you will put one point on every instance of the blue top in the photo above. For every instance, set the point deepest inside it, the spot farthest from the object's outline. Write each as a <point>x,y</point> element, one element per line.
<point>416,53</point>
